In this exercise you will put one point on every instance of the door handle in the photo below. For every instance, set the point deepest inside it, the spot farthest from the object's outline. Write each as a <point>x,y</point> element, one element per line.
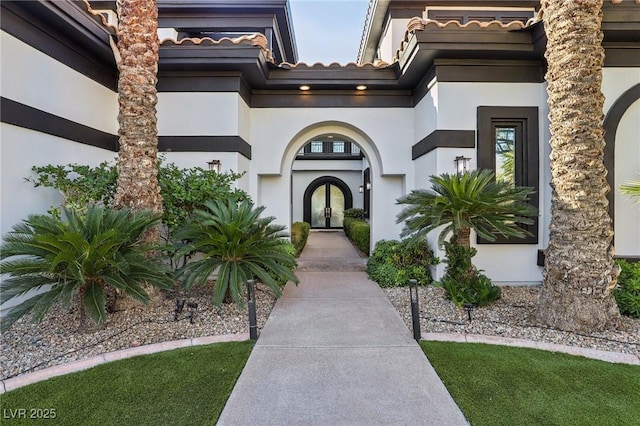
<point>327,212</point>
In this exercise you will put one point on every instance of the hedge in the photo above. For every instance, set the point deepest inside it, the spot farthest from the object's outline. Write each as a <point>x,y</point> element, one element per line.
<point>358,232</point>
<point>299,236</point>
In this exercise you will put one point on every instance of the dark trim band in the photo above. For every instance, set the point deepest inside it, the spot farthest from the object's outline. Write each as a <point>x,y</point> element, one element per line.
<point>25,116</point>
<point>444,139</point>
<point>204,144</point>
<point>18,114</point>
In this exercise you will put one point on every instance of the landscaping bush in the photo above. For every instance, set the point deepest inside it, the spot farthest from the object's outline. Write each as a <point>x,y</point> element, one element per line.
<point>299,236</point>
<point>462,282</point>
<point>81,256</point>
<point>627,293</point>
<point>358,232</point>
<point>240,244</point>
<point>393,263</point>
<point>354,213</point>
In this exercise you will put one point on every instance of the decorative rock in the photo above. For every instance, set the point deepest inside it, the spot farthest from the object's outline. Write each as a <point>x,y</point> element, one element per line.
<point>512,316</point>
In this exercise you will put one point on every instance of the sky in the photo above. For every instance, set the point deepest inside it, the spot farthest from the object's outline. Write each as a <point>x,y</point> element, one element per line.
<point>328,30</point>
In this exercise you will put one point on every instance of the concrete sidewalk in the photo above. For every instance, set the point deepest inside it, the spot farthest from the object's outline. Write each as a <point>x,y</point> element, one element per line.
<point>335,352</point>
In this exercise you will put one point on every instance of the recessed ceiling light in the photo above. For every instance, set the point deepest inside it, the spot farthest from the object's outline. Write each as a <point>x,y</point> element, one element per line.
<point>361,87</point>
<point>330,136</point>
<point>305,87</point>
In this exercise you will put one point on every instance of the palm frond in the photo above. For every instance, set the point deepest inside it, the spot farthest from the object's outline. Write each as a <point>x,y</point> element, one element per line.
<point>472,200</point>
<point>101,246</point>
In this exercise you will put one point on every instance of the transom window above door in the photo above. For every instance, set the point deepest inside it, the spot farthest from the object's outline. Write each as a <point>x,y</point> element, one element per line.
<point>329,147</point>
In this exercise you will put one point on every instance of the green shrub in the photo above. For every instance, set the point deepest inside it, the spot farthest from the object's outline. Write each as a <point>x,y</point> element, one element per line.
<point>462,282</point>
<point>240,244</point>
<point>299,236</point>
<point>354,213</point>
<point>393,263</point>
<point>358,232</point>
<point>627,293</point>
<point>75,260</point>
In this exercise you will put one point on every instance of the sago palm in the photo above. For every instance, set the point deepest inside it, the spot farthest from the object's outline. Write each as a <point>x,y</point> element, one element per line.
<point>631,188</point>
<point>473,200</point>
<point>81,256</point>
<point>234,240</point>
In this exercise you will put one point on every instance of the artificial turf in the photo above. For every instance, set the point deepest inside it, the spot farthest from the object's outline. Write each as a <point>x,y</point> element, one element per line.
<point>498,385</point>
<point>180,387</point>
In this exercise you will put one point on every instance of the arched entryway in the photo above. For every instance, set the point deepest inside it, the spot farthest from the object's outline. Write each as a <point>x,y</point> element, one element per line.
<point>325,200</point>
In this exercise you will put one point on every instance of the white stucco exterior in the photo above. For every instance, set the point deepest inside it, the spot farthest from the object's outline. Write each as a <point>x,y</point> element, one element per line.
<point>272,175</point>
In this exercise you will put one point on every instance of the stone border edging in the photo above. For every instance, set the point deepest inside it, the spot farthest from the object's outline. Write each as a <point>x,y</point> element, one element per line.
<point>84,364</point>
<point>614,357</point>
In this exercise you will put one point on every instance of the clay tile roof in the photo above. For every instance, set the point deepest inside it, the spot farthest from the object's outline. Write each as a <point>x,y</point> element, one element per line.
<point>100,18</point>
<point>333,65</point>
<point>419,24</point>
<point>256,39</point>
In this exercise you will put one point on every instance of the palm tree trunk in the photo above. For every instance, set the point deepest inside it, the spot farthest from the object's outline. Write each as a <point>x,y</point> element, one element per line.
<point>463,237</point>
<point>138,187</point>
<point>138,45</point>
<point>579,272</point>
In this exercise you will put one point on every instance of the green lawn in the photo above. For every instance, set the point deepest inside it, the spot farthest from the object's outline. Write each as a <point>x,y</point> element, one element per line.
<point>181,387</point>
<point>497,385</point>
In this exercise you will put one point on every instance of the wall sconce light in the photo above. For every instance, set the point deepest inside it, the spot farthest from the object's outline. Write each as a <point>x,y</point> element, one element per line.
<point>368,186</point>
<point>361,189</point>
<point>462,164</point>
<point>214,165</point>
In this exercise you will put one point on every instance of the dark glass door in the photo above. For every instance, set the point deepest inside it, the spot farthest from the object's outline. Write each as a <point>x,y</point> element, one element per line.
<point>327,207</point>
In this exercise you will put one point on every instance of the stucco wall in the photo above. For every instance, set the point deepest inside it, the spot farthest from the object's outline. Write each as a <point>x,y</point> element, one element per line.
<point>627,168</point>
<point>37,80</point>
<point>616,81</point>
<point>198,114</point>
<point>20,149</point>
<point>385,136</point>
<point>505,264</point>
<point>391,39</point>
<point>41,82</point>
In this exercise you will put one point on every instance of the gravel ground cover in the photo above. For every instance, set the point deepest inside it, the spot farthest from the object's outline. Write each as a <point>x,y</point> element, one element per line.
<point>512,316</point>
<point>28,347</point>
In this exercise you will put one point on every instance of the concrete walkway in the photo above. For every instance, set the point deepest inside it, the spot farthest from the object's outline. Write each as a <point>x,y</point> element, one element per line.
<point>335,352</point>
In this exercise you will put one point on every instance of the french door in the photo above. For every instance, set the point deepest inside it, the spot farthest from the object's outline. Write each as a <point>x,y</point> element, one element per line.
<point>327,206</point>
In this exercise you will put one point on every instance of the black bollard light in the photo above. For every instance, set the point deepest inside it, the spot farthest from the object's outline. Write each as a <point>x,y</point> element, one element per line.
<point>193,307</point>
<point>415,309</point>
<point>179,307</point>
<point>251,299</point>
<point>468,307</point>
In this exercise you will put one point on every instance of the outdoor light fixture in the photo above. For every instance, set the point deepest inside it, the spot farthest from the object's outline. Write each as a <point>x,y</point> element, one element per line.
<point>193,307</point>
<point>468,307</point>
<point>361,87</point>
<point>214,165</point>
<point>462,164</point>
<point>415,309</point>
<point>361,189</point>
<point>179,307</point>
<point>251,301</point>
<point>305,87</point>
<point>368,186</point>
